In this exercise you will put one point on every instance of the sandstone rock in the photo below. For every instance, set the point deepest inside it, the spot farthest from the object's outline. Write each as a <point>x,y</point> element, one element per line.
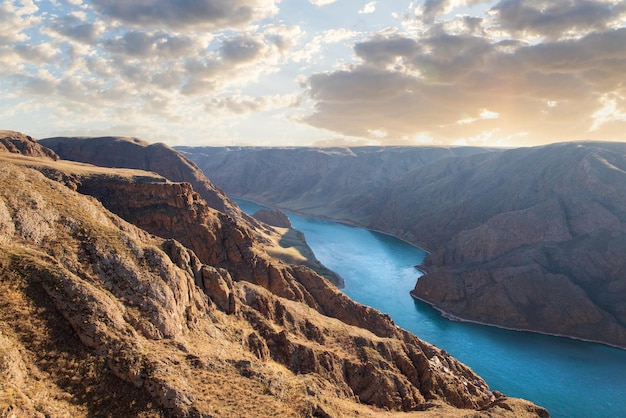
<point>273,217</point>
<point>18,143</point>
<point>135,153</point>
<point>217,284</point>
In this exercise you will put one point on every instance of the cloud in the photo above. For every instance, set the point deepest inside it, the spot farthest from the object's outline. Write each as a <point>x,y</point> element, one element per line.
<point>544,69</point>
<point>154,45</point>
<point>75,28</point>
<point>320,3</point>
<point>407,86</point>
<point>368,8</point>
<point>241,49</point>
<point>15,18</point>
<point>559,18</point>
<point>312,50</point>
<point>434,8</point>
<point>242,104</point>
<point>187,14</point>
<point>39,54</point>
<point>383,49</point>
<point>613,108</point>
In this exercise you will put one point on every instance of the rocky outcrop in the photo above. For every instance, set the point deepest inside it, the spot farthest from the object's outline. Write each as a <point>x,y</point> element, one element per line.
<point>527,238</point>
<point>18,143</point>
<point>134,153</point>
<point>109,317</point>
<point>161,159</point>
<point>273,217</point>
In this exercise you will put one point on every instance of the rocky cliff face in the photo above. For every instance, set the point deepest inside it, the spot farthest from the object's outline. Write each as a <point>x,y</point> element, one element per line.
<point>544,251</point>
<point>101,316</point>
<point>160,158</point>
<point>528,238</point>
<point>134,153</point>
<point>18,143</point>
<point>273,217</point>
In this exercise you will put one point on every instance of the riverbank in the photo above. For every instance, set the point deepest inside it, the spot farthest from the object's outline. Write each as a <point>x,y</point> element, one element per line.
<point>443,313</point>
<point>456,318</point>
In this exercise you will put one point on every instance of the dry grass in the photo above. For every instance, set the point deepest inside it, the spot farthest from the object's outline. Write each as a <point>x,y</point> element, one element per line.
<point>71,167</point>
<point>62,377</point>
<point>284,246</point>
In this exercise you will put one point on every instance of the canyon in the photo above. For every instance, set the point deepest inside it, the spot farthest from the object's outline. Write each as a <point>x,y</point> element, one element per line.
<point>528,238</point>
<point>126,292</point>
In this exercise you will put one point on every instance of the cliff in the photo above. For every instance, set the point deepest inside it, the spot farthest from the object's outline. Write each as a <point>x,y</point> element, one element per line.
<point>528,238</point>
<point>18,143</point>
<point>159,158</point>
<point>125,152</point>
<point>100,316</point>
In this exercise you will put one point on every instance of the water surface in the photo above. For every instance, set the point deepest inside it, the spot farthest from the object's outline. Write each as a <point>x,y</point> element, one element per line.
<point>570,378</point>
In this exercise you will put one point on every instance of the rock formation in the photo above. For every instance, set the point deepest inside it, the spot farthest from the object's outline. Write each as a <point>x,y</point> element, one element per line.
<point>18,143</point>
<point>273,217</point>
<point>161,159</point>
<point>134,153</point>
<point>320,181</point>
<point>100,316</point>
<point>528,238</point>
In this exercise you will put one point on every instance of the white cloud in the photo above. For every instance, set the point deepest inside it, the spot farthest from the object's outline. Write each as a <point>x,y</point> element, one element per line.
<point>609,111</point>
<point>338,35</point>
<point>464,85</point>
<point>368,8</point>
<point>16,17</point>
<point>320,3</point>
<point>552,70</point>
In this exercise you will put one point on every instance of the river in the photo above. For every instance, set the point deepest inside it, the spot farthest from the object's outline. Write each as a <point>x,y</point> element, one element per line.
<point>570,378</point>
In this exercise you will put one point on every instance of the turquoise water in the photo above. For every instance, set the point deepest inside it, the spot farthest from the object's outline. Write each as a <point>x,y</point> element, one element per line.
<point>570,378</point>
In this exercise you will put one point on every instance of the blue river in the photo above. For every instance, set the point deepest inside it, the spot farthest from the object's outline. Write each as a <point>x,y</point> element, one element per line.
<point>570,378</point>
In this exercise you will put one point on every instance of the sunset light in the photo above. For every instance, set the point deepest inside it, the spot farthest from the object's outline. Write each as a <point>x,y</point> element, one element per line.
<point>331,72</point>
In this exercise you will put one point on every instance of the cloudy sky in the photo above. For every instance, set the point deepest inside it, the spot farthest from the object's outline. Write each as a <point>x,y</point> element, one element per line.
<point>316,72</point>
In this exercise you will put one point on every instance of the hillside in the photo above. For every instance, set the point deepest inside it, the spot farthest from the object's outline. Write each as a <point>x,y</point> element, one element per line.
<point>101,317</point>
<point>160,158</point>
<point>528,238</point>
<point>321,181</point>
<point>125,152</point>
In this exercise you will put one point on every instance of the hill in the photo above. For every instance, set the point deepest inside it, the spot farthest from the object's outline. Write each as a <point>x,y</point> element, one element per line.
<point>527,238</point>
<point>160,158</point>
<point>126,152</point>
<point>100,316</point>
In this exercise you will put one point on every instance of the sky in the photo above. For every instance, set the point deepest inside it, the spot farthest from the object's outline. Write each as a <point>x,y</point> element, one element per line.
<point>316,72</point>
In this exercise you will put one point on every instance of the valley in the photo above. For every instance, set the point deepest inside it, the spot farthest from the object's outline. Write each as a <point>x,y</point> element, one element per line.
<point>528,238</point>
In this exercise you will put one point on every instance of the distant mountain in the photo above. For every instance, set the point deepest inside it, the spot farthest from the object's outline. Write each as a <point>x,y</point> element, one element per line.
<point>529,238</point>
<point>125,294</point>
<point>322,181</point>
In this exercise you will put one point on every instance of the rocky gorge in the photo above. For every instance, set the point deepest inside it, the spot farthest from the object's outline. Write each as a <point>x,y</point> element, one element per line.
<point>126,293</point>
<point>528,238</point>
